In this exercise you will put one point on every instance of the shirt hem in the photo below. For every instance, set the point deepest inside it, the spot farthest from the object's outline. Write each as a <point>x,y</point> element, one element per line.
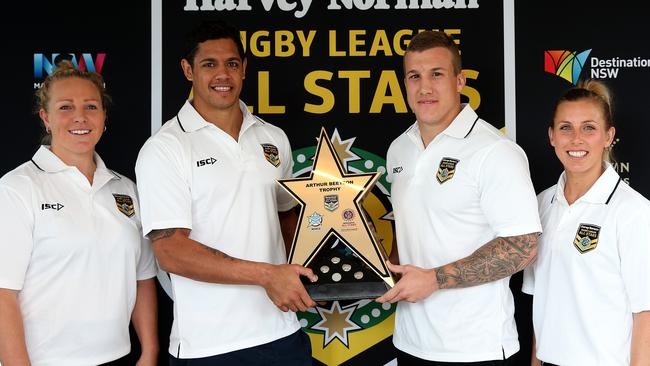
<point>161,225</point>
<point>518,230</point>
<point>528,290</point>
<point>214,351</point>
<point>87,361</point>
<point>9,285</point>
<point>458,357</point>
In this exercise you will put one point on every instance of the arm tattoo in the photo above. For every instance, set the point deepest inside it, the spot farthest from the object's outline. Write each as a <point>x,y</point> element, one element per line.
<point>497,259</point>
<point>166,233</point>
<point>219,253</point>
<point>160,234</point>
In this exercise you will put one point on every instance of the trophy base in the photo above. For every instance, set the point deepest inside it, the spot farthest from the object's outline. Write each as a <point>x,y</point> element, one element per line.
<point>346,291</point>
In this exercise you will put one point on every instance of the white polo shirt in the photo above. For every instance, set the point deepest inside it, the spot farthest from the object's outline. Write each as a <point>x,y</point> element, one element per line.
<point>74,252</point>
<point>191,174</point>
<point>470,185</point>
<point>592,272</point>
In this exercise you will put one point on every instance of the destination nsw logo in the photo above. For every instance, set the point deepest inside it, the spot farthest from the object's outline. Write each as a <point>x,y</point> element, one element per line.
<point>566,64</point>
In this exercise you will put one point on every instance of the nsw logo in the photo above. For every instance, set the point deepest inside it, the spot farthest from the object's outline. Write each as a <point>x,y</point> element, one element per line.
<point>566,64</point>
<point>84,62</point>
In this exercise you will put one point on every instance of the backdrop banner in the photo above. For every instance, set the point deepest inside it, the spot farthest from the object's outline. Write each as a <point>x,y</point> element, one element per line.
<point>570,48</point>
<point>337,64</point>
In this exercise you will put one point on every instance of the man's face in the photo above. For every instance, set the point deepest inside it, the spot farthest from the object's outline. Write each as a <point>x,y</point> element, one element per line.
<point>217,73</point>
<point>432,87</point>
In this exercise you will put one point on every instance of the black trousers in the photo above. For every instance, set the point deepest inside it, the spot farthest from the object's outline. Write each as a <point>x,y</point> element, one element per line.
<point>405,359</point>
<point>119,362</point>
<point>293,350</point>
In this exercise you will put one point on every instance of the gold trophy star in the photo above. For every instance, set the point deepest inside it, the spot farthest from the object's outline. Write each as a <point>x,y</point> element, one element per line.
<point>330,204</point>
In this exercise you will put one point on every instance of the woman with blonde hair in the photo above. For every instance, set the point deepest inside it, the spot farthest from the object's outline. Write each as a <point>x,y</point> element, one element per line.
<point>591,280</point>
<point>74,267</point>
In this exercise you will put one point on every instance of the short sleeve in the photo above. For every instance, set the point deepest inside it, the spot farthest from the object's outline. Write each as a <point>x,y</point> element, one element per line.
<point>389,165</point>
<point>634,250</point>
<point>163,188</point>
<point>284,199</point>
<point>507,195</point>
<point>17,226</point>
<point>528,284</point>
<point>146,267</point>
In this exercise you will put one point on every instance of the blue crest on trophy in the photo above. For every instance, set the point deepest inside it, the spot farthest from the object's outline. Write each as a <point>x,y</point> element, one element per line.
<point>315,219</point>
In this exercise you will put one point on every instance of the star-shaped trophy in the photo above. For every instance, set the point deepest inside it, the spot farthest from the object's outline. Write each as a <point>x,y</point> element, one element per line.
<point>334,236</point>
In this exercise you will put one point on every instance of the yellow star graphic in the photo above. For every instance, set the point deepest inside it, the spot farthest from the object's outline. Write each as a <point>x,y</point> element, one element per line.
<point>336,323</point>
<point>343,149</point>
<point>330,201</point>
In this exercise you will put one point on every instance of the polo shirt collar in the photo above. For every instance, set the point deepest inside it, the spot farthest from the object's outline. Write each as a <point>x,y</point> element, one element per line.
<point>47,161</point>
<point>600,193</point>
<point>459,128</point>
<point>190,120</point>
<point>463,124</point>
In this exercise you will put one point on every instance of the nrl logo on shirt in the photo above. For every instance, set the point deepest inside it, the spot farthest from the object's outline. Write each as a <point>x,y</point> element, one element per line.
<point>446,169</point>
<point>271,154</point>
<point>124,204</point>
<point>586,237</point>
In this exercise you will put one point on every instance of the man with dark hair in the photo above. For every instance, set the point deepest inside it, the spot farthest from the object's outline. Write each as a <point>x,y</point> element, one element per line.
<point>217,217</point>
<point>465,217</point>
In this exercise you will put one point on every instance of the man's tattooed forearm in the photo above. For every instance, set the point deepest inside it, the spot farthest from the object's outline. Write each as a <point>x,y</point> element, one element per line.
<point>166,233</point>
<point>495,260</point>
<point>219,253</point>
<point>160,234</point>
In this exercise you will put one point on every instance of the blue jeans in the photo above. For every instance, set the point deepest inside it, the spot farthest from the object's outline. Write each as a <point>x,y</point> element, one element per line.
<point>292,350</point>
